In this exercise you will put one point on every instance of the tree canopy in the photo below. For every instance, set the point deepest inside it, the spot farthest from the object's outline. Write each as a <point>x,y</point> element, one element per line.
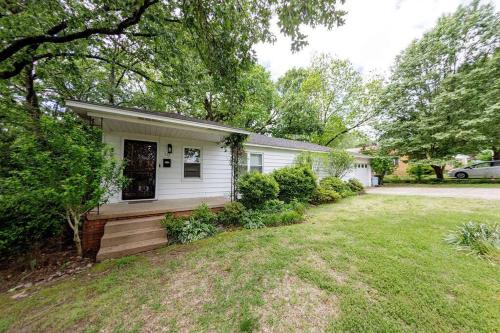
<point>442,96</point>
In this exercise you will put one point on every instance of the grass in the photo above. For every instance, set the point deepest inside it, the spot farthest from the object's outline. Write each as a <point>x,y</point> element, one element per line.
<point>366,264</point>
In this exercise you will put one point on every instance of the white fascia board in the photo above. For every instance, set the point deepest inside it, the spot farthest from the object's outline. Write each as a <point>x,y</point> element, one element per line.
<point>285,148</point>
<point>119,114</point>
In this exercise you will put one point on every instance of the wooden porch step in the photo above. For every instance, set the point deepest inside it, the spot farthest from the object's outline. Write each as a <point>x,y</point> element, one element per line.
<point>123,237</point>
<point>132,224</point>
<point>130,248</point>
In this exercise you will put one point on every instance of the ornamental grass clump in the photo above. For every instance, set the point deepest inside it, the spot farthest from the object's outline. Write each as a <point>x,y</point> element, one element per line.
<point>481,239</point>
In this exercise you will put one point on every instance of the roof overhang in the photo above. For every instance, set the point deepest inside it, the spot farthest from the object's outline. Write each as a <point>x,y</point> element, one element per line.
<point>109,112</point>
<point>284,148</point>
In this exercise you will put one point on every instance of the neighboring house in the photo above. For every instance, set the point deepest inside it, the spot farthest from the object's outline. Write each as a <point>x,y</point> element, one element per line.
<point>175,162</point>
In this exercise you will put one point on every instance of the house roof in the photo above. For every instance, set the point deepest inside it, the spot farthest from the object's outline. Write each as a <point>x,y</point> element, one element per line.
<point>254,139</point>
<point>263,140</point>
<point>85,107</point>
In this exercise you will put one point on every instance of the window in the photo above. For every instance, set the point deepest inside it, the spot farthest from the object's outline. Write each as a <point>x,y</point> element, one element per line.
<point>251,162</point>
<point>256,162</point>
<point>192,163</point>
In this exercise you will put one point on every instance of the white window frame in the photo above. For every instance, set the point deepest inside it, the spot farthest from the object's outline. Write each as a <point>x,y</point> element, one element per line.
<point>201,164</point>
<point>248,156</point>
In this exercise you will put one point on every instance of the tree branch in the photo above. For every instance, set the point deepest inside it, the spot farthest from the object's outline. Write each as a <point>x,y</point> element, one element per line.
<point>51,35</point>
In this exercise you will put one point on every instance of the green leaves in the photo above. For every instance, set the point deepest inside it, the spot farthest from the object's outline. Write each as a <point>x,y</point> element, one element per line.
<point>443,89</point>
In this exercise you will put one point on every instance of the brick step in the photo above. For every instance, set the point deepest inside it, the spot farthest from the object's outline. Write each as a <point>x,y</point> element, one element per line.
<point>130,248</point>
<point>132,224</point>
<point>128,236</point>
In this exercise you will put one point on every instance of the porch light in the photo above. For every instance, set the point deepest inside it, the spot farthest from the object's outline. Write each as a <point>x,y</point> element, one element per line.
<point>169,148</point>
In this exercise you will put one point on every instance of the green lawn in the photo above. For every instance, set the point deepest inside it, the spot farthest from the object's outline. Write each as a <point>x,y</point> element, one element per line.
<point>369,263</point>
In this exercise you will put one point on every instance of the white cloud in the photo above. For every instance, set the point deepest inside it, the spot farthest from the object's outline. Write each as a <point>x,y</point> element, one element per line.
<point>374,33</point>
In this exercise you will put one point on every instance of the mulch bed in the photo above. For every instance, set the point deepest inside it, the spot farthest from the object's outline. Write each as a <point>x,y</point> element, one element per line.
<point>16,279</point>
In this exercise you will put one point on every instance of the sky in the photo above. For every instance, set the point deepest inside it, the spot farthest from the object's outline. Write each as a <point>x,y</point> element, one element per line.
<point>374,33</point>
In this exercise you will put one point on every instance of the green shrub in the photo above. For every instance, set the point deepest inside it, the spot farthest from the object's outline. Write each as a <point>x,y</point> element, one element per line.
<point>355,185</point>
<point>324,195</point>
<point>419,170</point>
<point>481,239</point>
<point>231,214</point>
<point>195,230</point>
<point>204,214</point>
<point>295,182</point>
<point>290,217</point>
<point>337,185</point>
<point>253,219</point>
<point>297,206</point>
<point>173,226</point>
<point>273,206</point>
<point>257,188</point>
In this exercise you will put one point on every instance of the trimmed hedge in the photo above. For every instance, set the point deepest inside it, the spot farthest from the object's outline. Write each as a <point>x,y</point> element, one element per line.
<point>337,185</point>
<point>257,188</point>
<point>296,182</point>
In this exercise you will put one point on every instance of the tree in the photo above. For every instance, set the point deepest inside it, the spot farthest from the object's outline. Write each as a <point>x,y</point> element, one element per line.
<point>326,101</point>
<point>416,123</point>
<point>382,165</point>
<point>180,56</point>
<point>339,162</point>
<point>418,170</point>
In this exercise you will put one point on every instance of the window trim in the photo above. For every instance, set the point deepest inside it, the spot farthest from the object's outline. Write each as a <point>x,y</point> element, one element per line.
<point>201,164</point>
<point>248,156</point>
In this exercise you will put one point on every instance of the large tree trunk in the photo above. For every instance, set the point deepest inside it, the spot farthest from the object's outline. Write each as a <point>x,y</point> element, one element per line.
<point>439,171</point>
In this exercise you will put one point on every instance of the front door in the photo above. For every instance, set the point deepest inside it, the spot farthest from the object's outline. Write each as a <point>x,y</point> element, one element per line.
<point>140,169</point>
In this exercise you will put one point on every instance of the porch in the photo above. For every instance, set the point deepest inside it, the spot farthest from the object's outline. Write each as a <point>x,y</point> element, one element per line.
<point>125,228</point>
<point>131,209</point>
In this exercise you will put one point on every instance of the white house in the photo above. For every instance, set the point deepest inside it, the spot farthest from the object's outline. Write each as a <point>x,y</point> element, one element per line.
<point>172,158</point>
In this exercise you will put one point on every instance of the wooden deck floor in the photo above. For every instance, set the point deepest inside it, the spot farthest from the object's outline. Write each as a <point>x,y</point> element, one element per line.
<point>131,209</point>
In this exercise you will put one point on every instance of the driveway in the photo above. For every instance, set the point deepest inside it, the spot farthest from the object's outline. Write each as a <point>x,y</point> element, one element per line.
<point>450,192</point>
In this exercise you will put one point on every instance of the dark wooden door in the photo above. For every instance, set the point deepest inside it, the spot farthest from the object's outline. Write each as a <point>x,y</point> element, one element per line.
<point>140,169</point>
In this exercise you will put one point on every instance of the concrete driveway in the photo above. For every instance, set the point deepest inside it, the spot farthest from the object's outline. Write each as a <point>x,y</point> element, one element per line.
<point>448,192</point>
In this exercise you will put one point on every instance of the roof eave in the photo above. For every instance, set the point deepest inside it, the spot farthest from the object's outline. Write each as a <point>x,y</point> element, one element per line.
<point>86,108</point>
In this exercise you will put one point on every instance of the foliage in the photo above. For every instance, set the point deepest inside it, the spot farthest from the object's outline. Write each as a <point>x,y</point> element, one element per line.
<point>355,185</point>
<point>235,142</point>
<point>295,182</point>
<point>418,170</point>
<point>337,185</point>
<point>253,219</point>
<point>173,225</point>
<point>485,155</point>
<point>324,195</point>
<point>257,188</point>
<point>481,239</point>
<point>66,165</point>
<point>194,230</point>
<point>204,214</point>
<point>382,165</point>
<point>339,163</point>
<point>232,213</point>
<point>314,161</point>
<point>325,101</point>
<point>441,98</point>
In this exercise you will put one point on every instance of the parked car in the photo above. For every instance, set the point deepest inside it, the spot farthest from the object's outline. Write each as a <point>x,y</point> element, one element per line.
<point>490,169</point>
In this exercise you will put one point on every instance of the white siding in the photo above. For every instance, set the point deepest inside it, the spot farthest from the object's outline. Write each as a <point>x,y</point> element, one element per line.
<point>216,170</point>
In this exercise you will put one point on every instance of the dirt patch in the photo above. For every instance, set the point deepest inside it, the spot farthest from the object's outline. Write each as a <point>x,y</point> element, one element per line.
<point>315,261</point>
<point>47,267</point>
<point>185,294</point>
<point>294,305</point>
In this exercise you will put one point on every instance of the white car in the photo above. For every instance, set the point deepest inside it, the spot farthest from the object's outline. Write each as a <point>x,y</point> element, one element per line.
<point>490,169</point>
